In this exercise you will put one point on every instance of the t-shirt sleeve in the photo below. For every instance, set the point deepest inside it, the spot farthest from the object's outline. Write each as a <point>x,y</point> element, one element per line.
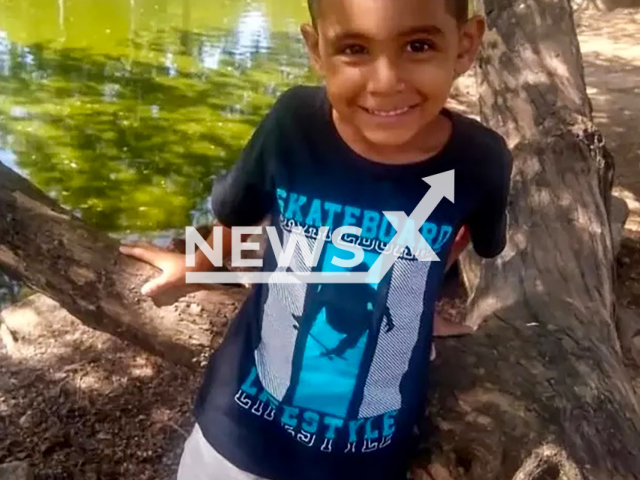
<point>488,223</point>
<point>244,196</point>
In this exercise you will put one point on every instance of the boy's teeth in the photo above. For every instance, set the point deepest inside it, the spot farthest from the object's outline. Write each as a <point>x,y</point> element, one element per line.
<point>389,113</point>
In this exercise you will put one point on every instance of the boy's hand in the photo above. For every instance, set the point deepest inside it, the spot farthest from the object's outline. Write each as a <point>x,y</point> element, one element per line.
<point>173,266</point>
<point>444,328</point>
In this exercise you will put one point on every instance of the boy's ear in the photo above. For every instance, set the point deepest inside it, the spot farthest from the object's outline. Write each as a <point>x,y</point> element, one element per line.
<point>471,34</point>
<point>312,41</point>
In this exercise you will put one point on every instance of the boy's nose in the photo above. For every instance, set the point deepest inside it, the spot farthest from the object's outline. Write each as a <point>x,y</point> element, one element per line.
<point>385,77</point>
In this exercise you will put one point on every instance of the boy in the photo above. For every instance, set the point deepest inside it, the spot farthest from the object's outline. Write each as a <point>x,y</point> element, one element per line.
<point>327,382</point>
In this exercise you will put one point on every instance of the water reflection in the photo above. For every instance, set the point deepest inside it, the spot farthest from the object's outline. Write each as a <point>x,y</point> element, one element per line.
<point>251,36</point>
<point>9,159</point>
<point>4,53</point>
<point>124,111</point>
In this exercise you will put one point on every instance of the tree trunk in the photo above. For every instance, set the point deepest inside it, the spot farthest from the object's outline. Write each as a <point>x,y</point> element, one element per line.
<point>540,391</point>
<point>55,253</point>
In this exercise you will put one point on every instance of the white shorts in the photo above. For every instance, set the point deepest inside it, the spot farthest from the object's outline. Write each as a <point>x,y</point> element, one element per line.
<point>201,462</point>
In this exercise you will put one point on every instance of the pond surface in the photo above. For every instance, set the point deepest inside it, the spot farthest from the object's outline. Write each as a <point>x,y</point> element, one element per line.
<point>124,111</point>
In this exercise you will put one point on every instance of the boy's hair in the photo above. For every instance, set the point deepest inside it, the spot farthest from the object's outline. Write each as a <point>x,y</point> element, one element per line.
<point>458,8</point>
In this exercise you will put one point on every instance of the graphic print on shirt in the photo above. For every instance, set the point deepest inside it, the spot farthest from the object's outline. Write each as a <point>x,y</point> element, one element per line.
<point>340,317</point>
<point>333,325</point>
<point>285,302</point>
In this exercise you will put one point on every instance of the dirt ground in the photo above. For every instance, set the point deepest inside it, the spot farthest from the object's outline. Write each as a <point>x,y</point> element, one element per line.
<point>610,45</point>
<point>78,404</point>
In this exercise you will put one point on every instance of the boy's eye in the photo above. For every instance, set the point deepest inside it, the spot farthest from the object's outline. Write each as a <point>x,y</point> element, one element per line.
<point>354,50</point>
<point>419,46</point>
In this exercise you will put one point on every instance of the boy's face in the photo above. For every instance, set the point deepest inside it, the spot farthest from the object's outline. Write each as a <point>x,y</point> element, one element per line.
<point>389,65</point>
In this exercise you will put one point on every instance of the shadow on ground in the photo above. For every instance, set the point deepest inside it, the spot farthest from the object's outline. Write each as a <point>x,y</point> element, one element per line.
<point>80,404</point>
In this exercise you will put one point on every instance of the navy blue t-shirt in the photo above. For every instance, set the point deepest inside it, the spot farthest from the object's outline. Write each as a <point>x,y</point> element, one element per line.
<point>327,381</point>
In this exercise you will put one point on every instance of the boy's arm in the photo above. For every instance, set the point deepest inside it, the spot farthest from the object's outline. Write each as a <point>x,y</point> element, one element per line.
<point>486,228</point>
<point>172,264</point>
<point>242,197</point>
<point>441,327</point>
<point>487,224</point>
<point>245,195</point>
<point>202,263</point>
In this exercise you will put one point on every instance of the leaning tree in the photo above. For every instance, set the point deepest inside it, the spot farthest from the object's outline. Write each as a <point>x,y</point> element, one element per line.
<point>540,392</point>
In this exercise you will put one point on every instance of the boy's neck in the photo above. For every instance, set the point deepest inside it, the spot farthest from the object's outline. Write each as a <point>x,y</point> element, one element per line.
<point>425,145</point>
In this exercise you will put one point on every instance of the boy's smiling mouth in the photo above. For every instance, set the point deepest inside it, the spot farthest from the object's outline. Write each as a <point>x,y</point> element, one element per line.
<point>389,113</point>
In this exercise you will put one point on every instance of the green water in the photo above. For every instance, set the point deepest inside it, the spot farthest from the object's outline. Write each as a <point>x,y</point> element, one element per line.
<point>125,110</point>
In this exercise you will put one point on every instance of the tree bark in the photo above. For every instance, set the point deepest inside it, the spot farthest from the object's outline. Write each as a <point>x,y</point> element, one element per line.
<point>540,391</point>
<point>53,252</point>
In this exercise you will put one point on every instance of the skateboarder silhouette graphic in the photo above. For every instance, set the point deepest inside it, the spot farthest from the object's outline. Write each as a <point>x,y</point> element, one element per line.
<point>349,309</point>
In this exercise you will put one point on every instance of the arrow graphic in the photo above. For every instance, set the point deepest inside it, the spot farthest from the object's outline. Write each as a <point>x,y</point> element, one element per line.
<point>442,185</point>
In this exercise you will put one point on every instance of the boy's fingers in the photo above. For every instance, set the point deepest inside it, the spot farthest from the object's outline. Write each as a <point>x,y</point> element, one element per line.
<point>145,253</point>
<point>154,286</point>
<point>444,328</point>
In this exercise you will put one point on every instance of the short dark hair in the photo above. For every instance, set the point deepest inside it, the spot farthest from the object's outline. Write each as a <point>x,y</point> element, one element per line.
<point>458,8</point>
